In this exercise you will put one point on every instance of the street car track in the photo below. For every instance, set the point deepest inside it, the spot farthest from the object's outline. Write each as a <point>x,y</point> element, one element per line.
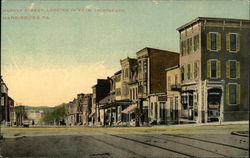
<point>152,145</point>
<point>207,141</point>
<point>185,145</point>
<point>117,147</point>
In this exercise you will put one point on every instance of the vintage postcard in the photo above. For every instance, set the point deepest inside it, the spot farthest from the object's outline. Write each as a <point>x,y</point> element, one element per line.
<point>125,78</point>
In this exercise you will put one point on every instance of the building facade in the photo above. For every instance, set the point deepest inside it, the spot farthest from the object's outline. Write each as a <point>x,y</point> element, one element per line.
<point>173,86</point>
<point>214,65</point>
<point>7,111</point>
<point>152,83</point>
<point>100,91</point>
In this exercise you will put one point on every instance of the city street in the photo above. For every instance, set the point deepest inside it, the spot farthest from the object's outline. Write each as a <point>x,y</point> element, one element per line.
<point>158,141</point>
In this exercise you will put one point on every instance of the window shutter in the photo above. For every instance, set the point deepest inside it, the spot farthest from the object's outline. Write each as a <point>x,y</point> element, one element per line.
<point>227,93</point>
<point>218,36</point>
<point>228,42</point>
<point>238,42</point>
<point>208,69</point>
<point>218,69</point>
<point>238,94</point>
<point>208,41</point>
<point>228,69</point>
<point>238,70</point>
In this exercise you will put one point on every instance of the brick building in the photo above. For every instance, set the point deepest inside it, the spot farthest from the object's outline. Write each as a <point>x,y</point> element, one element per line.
<point>152,82</point>
<point>214,64</point>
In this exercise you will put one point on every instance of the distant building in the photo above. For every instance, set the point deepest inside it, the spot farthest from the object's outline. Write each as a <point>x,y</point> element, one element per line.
<point>35,116</point>
<point>7,106</point>
<point>214,63</point>
<point>173,86</point>
<point>100,91</point>
<point>87,105</point>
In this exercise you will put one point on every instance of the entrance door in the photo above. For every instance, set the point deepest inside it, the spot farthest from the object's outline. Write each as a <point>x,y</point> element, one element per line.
<point>176,112</point>
<point>214,98</point>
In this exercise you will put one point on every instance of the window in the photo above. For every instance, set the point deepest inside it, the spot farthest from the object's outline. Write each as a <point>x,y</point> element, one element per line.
<point>2,101</point>
<point>145,66</point>
<point>233,93</point>
<point>233,69</point>
<point>213,68</point>
<point>169,83</point>
<point>182,73</point>
<point>232,42</point>
<point>176,79</point>
<point>126,73</point>
<point>213,41</point>
<point>196,42</point>
<point>183,47</point>
<point>139,66</point>
<point>189,49</point>
<point>145,87</point>
<point>232,89</point>
<point>195,69</point>
<point>188,71</point>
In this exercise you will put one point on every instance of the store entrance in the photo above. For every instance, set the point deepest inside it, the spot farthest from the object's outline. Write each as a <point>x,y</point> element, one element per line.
<point>214,101</point>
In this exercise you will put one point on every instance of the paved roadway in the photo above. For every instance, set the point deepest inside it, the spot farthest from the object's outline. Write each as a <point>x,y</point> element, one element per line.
<point>116,144</point>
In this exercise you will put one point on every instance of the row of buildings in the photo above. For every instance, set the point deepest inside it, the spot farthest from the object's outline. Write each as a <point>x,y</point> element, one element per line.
<point>208,80</point>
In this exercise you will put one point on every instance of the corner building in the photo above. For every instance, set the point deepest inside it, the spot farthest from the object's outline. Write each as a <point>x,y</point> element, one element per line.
<point>214,63</point>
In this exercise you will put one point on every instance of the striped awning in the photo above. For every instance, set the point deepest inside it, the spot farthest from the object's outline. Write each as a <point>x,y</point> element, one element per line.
<point>130,109</point>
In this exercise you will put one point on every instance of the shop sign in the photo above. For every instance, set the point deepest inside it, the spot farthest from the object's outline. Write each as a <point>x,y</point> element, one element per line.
<point>216,106</point>
<point>162,98</point>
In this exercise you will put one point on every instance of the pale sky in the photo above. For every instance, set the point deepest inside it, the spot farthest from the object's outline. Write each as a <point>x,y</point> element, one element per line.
<point>46,62</point>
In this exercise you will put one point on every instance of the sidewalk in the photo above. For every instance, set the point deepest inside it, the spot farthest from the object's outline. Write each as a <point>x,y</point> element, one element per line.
<point>205,124</point>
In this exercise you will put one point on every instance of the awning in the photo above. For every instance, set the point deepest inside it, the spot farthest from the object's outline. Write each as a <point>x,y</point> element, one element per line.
<point>130,109</point>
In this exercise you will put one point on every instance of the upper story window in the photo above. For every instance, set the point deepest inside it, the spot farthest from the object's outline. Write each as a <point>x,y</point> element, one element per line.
<point>139,66</point>
<point>213,68</point>
<point>195,69</point>
<point>189,71</point>
<point>176,79</point>
<point>145,66</point>
<point>126,73</point>
<point>189,45</point>
<point>233,69</point>
<point>196,42</point>
<point>182,73</point>
<point>183,48</point>
<point>213,41</point>
<point>169,83</point>
<point>233,42</point>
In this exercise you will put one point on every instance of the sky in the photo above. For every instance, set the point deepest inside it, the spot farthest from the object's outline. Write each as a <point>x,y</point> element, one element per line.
<point>48,61</point>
